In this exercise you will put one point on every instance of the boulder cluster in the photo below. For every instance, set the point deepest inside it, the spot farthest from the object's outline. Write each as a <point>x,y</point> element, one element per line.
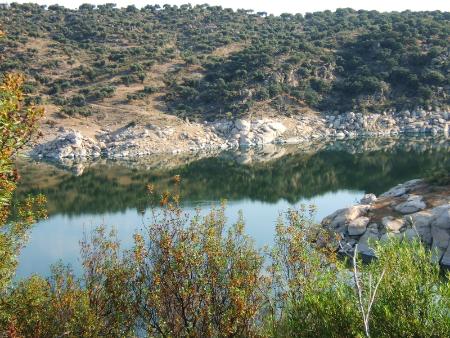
<point>246,133</point>
<point>69,144</point>
<point>135,140</point>
<point>389,123</point>
<point>409,210</point>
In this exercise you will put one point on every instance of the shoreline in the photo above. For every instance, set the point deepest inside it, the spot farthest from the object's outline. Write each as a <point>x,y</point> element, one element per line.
<point>134,140</point>
<point>415,209</point>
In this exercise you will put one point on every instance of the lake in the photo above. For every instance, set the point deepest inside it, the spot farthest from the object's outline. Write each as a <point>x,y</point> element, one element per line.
<point>261,182</point>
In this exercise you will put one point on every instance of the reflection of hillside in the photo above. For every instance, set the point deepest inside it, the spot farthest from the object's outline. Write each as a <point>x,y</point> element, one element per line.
<point>266,175</point>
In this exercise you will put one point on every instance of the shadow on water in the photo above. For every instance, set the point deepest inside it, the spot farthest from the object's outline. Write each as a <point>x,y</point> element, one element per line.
<point>268,175</point>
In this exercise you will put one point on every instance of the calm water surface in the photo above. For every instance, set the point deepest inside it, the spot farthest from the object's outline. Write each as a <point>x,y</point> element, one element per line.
<point>261,183</point>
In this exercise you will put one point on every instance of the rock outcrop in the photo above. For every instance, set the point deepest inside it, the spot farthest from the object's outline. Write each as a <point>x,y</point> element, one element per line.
<point>134,140</point>
<point>414,209</point>
<point>69,144</point>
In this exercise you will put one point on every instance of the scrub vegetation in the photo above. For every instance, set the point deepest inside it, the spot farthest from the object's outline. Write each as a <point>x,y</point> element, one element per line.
<point>192,275</point>
<point>208,62</point>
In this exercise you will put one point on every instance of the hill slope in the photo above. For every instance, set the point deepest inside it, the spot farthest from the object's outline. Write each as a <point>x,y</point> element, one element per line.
<point>209,62</point>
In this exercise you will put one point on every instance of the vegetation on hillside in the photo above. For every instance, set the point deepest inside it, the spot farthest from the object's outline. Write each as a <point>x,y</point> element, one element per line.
<point>195,276</point>
<point>207,61</point>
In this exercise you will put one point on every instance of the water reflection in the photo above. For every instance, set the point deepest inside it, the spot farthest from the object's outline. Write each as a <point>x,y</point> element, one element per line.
<point>260,182</point>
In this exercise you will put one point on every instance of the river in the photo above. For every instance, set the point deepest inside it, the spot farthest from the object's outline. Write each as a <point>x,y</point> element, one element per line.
<point>262,183</point>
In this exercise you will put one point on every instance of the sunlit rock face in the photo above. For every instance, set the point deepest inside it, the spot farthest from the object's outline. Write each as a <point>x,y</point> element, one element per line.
<point>414,209</point>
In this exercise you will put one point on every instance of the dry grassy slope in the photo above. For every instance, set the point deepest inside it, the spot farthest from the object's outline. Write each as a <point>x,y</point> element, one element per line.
<point>116,111</point>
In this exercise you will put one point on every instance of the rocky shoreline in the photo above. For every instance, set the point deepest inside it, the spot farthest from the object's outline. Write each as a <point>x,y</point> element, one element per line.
<point>414,209</point>
<point>134,140</point>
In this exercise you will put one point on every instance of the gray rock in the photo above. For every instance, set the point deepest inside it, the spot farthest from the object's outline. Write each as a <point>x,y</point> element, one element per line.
<point>441,237</point>
<point>241,124</point>
<point>402,189</point>
<point>277,126</point>
<point>446,257</point>
<point>412,204</point>
<point>411,234</point>
<point>386,237</point>
<point>441,216</point>
<point>395,192</point>
<point>358,226</point>
<point>421,221</point>
<point>436,254</point>
<point>368,199</point>
<point>366,242</point>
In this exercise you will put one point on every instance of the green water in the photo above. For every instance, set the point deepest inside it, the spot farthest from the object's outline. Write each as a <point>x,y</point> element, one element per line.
<point>261,183</point>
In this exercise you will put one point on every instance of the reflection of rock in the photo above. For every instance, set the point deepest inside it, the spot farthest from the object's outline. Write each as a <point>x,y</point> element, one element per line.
<point>271,173</point>
<point>404,218</point>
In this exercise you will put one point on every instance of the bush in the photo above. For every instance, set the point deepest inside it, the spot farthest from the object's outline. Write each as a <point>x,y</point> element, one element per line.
<point>193,276</point>
<point>321,297</point>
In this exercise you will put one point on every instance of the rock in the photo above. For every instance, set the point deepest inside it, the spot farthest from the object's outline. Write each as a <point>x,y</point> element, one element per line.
<point>366,242</point>
<point>75,138</point>
<point>411,234</point>
<point>395,192</point>
<point>389,236</point>
<point>368,199</point>
<point>441,216</point>
<point>358,226</point>
<point>446,257</point>
<point>441,237</point>
<point>246,140</point>
<point>339,220</point>
<point>267,137</point>
<point>412,204</point>
<point>393,224</point>
<point>436,254</point>
<point>241,124</point>
<point>421,221</point>
<point>402,189</point>
<point>277,126</point>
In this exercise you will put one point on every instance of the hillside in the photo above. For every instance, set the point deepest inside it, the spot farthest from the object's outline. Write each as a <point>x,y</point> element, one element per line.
<point>207,62</point>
